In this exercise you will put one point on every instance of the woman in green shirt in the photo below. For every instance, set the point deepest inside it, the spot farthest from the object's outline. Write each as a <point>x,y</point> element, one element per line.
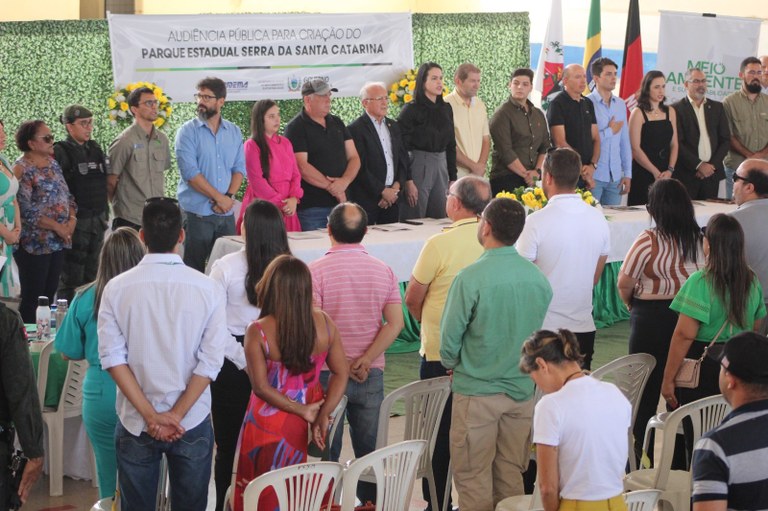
<point>726,292</point>
<point>77,339</point>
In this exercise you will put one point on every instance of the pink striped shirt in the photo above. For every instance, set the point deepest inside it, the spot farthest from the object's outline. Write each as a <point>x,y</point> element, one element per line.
<point>353,288</point>
<point>658,266</point>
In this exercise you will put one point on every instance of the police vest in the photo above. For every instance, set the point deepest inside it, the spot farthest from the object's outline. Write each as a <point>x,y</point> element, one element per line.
<point>85,170</point>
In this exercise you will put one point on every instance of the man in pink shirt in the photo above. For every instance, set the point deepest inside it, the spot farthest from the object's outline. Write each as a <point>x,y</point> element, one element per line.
<point>356,290</point>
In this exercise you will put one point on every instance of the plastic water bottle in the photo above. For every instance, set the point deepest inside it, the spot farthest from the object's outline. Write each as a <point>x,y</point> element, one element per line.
<point>43,317</point>
<point>62,306</point>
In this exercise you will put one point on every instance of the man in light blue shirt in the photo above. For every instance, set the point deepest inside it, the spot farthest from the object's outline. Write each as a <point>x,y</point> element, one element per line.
<point>209,151</point>
<point>613,174</point>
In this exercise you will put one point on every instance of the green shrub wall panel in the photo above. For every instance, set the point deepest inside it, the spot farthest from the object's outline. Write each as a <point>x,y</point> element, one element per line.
<point>47,65</point>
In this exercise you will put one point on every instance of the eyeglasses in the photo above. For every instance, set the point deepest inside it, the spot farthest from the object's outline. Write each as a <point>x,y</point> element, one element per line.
<point>153,200</point>
<point>380,98</point>
<point>46,138</point>
<point>151,103</point>
<point>703,81</point>
<point>84,123</point>
<point>737,177</point>
<point>204,97</point>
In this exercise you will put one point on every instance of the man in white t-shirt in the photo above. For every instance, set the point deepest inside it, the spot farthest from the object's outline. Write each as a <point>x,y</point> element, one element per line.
<point>569,241</point>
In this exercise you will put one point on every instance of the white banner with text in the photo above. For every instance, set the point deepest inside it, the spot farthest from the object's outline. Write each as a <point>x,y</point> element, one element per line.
<point>260,55</point>
<point>714,44</point>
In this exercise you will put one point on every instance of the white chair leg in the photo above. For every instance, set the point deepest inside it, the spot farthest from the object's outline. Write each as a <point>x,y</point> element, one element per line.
<point>56,458</point>
<point>432,487</point>
<point>448,486</point>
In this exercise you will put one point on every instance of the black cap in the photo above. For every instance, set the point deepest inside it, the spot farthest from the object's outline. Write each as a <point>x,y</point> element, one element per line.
<point>746,356</point>
<point>75,112</point>
<point>317,86</point>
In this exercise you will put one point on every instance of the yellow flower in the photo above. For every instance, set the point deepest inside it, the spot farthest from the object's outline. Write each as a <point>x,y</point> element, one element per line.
<point>123,106</point>
<point>393,97</point>
<point>539,193</point>
<point>159,122</point>
<point>394,87</point>
<point>407,98</point>
<point>158,93</point>
<point>168,110</point>
<point>403,82</point>
<point>530,200</point>
<point>412,85</point>
<point>111,103</point>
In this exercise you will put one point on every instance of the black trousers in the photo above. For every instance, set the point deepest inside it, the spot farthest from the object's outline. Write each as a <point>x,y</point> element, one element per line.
<point>230,393</point>
<point>651,324</point>
<point>38,276</point>
<point>5,458</point>
<point>442,455</point>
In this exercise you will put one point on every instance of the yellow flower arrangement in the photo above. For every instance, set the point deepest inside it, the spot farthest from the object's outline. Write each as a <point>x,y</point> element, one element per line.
<point>533,199</point>
<point>117,103</point>
<point>402,91</point>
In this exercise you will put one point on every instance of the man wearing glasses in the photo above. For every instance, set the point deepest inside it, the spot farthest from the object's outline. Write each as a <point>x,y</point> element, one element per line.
<point>209,151</point>
<point>325,153</point>
<point>383,159</point>
<point>85,168</point>
<point>750,191</point>
<point>747,111</point>
<point>703,138</point>
<point>139,156</point>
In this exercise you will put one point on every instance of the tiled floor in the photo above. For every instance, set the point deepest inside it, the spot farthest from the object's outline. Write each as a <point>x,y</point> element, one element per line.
<point>80,495</point>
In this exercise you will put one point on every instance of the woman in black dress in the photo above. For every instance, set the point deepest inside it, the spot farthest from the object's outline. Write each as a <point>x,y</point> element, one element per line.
<point>653,135</point>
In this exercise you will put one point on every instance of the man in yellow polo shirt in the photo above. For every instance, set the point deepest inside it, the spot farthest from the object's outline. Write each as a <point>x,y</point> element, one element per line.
<point>470,122</point>
<point>441,258</point>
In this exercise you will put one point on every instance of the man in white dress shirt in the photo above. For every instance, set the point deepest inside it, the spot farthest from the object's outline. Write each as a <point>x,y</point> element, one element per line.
<point>569,241</point>
<point>162,334</point>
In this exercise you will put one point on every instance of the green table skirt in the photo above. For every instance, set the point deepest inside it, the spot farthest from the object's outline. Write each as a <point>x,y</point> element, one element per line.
<point>57,373</point>
<point>607,309</point>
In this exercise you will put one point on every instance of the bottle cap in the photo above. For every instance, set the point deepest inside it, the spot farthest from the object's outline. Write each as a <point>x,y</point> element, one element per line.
<point>61,301</point>
<point>42,301</point>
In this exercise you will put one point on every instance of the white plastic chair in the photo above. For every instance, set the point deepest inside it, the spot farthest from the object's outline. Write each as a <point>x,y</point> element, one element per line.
<point>675,485</point>
<point>70,405</point>
<point>392,467</point>
<point>424,402</point>
<point>298,487</point>
<point>630,374</point>
<point>642,500</point>
<point>522,502</point>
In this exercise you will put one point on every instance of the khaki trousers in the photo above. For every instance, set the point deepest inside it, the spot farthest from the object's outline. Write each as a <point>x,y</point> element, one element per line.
<point>490,448</point>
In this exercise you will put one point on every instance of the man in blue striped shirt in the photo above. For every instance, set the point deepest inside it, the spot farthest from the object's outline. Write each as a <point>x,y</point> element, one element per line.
<point>730,463</point>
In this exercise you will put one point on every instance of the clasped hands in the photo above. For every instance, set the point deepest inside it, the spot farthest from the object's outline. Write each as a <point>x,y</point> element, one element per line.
<point>337,186</point>
<point>165,427</point>
<point>223,204</point>
<point>65,230</point>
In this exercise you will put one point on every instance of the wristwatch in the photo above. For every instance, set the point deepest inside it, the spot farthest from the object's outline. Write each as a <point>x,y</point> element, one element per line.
<point>671,169</point>
<point>230,195</point>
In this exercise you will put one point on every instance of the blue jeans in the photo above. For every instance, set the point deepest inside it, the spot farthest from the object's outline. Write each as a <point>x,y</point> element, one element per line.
<point>729,172</point>
<point>607,192</point>
<point>313,218</point>
<point>363,416</point>
<point>201,232</point>
<point>189,468</point>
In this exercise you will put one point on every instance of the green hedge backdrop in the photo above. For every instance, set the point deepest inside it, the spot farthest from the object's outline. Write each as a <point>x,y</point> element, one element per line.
<point>47,65</point>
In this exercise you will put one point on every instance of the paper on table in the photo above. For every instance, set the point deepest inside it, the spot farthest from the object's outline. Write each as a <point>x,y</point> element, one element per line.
<point>307,235</point>
<point>392,227</point>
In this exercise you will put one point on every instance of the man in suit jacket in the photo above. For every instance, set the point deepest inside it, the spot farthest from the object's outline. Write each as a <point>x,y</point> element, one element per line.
<point>700,158</point>
<point>383,159</point>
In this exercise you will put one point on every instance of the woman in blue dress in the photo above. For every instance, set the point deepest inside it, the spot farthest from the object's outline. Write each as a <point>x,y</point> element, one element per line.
<point>77,339</point>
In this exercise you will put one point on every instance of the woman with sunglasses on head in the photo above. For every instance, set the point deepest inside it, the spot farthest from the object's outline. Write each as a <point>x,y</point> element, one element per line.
<point>657,265</point>
<point>10,219</point>
<point>47,216</point>
<point>715,303</point>
<point>273,174</point>
<point>77,339</point>
<point>579,427</point>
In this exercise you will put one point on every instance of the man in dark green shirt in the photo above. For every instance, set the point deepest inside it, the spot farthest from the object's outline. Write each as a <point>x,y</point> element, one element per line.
<point>19,404</point>
<point>494,304</point>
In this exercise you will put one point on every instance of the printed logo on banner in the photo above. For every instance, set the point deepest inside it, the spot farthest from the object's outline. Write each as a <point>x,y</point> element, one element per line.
<point>294,83</point>
<point>236,87</point>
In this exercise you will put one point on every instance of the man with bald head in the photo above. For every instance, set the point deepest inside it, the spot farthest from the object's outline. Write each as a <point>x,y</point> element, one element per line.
<point>572,122</point>
<point>383,159</point>
<point>356,290</point>
<point>750,191</point>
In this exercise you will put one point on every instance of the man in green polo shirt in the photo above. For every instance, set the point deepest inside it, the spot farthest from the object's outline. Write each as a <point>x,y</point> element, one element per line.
<point>493,305</point>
